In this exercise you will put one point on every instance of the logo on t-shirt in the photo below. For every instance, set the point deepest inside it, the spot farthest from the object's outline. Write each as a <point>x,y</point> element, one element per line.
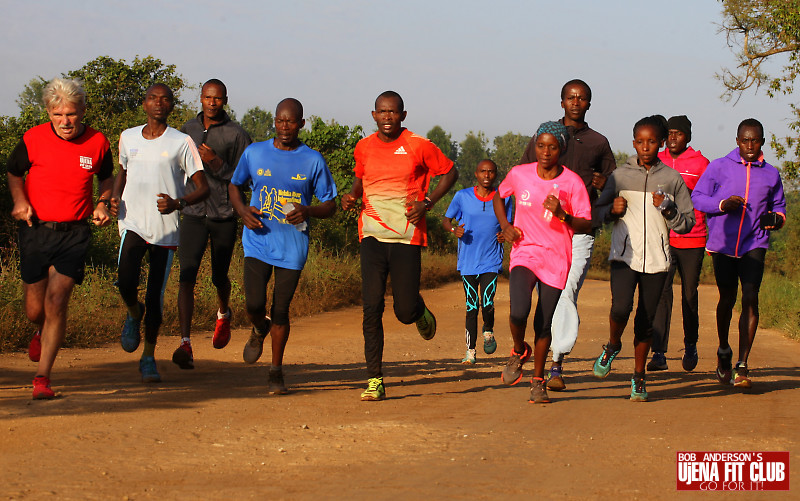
<point>86,163</point>
<point>299,177</point>
<point>400,151</point>
<point>262,172</point>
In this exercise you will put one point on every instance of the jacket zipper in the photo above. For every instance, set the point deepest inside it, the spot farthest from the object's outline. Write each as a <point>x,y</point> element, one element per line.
<point>744,209</point>
<point>644,222</point>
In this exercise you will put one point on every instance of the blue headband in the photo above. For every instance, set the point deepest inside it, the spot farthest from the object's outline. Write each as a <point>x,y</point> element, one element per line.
<point>557,129</point>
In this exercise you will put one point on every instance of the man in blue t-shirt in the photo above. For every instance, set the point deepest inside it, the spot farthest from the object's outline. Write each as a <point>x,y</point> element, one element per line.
<point>283,174</point>
<point>480,253</point>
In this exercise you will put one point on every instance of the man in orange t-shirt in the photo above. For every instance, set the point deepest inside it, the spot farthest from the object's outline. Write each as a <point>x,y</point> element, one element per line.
<point>393,171</point>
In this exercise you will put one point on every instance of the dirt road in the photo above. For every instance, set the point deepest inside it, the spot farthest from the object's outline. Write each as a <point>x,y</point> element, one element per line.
<point>446,431</point>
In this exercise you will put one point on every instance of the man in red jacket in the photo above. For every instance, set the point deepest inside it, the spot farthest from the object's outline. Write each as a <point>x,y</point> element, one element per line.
<point>686,252</point>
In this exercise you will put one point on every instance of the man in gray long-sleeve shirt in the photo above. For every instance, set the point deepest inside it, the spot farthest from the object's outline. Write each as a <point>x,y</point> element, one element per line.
<point>220,142</point>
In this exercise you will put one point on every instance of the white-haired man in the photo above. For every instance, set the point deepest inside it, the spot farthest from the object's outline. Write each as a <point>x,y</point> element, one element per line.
<point>50,177</point>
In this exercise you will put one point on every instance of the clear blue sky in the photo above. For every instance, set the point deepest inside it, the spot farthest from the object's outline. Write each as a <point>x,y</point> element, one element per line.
<point>465,65</point>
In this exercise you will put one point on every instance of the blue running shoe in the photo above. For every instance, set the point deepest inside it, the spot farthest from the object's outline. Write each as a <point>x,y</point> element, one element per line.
<point>602,366</point>
<point>489,342</point>
<point>638,390</point>
<point>658,362</point>
<point>131,335</point>
<point>147,366</point>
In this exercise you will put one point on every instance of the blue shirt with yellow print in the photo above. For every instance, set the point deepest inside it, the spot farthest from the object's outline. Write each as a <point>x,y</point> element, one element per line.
<point>277,177</point>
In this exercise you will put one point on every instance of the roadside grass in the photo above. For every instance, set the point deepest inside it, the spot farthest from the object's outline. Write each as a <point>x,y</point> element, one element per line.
<point>96,313</point>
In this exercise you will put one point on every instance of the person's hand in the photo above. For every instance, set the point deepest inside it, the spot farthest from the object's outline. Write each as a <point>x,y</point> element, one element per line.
<point>113,206</point>
<point>512,233</point>
<point>500,237</point>
<point>731,203</point>
<point>298,215</point>
<point>771,221</point>
<point>458,231</point>
<point>415,212</point>
<point>207,155</point>
<point>658,197</point>
<point>348,201</point>
<point>619,207</point>
<point>598,180</point>
<point>166,204</point>
<point>23,212</point>
<point>252,218</point>
<point>100,216</point>
<point>552,203</point>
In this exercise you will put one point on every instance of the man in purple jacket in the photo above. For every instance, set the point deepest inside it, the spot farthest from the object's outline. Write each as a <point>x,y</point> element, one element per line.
<point>742,196</point>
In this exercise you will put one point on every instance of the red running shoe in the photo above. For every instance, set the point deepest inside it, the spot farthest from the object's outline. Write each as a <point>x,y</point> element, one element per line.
<point>35,348</point>
<point>222,331</point>
<point>41,388</point>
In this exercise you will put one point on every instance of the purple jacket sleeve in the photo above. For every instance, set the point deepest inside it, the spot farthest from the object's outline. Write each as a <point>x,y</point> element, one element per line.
<point>704,195</point>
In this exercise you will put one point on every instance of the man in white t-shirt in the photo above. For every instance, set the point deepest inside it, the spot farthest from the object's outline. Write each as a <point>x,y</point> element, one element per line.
<point>148,193</point>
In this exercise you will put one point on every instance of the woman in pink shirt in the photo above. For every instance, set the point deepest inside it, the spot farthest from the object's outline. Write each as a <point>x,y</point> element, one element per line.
<point>551,205</point>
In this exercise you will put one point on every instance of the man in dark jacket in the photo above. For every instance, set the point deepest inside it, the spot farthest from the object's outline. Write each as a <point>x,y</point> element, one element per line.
<point>220,142</point>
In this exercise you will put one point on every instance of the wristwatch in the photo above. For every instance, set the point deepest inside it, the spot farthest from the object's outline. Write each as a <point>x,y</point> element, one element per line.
<point>181,204</point>
<point>566,219</point>
<point>428,203</point>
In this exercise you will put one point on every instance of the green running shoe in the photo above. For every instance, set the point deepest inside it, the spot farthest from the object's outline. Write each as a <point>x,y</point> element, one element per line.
<point>638,390</point>
<point>489,342</point>
<point>426,325</point>
<point>602,366</point>
<point>375,390</point>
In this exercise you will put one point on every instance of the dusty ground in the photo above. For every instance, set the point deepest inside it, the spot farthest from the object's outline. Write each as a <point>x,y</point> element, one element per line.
<point>445,432</point>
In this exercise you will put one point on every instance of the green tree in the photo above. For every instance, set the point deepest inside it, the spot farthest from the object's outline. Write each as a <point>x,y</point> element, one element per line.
<point>336,143</point>
<point>621,157</point>
<point>31,95</point>
<point>758,31</point>
<point>259,123</point>
<point>472,150</point>
<point>508,149</point>
<point>444,141</point>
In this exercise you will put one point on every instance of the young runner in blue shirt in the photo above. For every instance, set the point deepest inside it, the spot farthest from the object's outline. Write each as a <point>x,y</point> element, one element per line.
<point>480,253</point>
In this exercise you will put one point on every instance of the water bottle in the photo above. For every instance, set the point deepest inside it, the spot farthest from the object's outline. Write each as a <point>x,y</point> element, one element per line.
<point>547,215</point>
<point>665,203</point>
<point>289,207</point>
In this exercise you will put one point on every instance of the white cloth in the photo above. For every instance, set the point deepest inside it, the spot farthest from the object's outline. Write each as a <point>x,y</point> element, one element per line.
<point>154,166</point>
<point>566,321</point>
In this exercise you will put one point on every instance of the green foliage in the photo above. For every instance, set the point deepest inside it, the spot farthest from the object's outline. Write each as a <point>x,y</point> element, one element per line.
<point>621,157</point>
<point>508,149</point>
<point>31,95</point>
<point>762,30</point>
<point>115,91</point>
<point>471,151</point>
<point>259,123</point>
<point>444,141</point>
<point>336,143</point>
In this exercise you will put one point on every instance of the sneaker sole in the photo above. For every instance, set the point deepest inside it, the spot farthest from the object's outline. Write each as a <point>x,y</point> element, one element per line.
<point>218,344</point>
<point>556,385</point>
<point>639,398</point>
<point>490,349</point>
<point>182,360</point>
<point>745,383</point>
<point>503,379</point>
<point>655,368</point>
<point>279,392</point>
<point>370,398</point>
<point>548,401</point>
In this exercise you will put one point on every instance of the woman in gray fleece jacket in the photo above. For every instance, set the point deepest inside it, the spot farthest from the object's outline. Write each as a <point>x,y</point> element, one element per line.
<point>645,199</point>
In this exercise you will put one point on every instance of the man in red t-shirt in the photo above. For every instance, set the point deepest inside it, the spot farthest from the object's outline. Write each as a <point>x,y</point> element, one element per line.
<point>50,175</point>
<point>393,171</point>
